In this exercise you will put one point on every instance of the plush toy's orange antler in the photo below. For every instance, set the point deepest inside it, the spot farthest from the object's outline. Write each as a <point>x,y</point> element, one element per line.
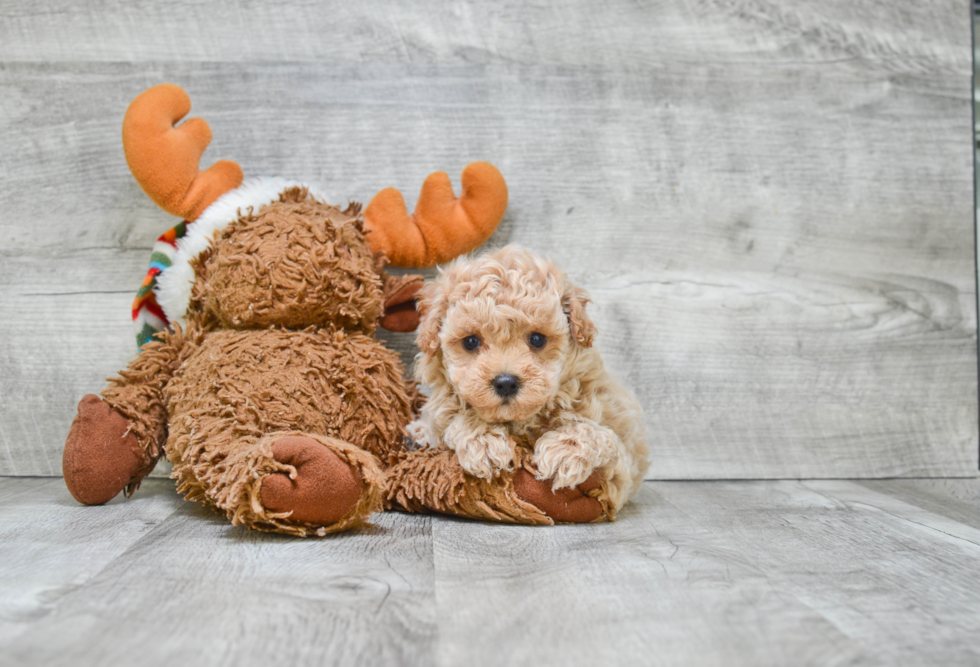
<point>443,226</point>
<point>164,159</point>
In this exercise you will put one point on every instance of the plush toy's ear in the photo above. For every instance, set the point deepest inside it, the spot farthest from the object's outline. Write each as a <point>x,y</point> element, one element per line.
<point>573,301</point>
<point>442,227</point>
<point>401,296</point>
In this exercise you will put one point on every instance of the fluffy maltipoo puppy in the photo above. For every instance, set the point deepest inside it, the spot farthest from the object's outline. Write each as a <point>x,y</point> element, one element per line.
<point>506,351</point>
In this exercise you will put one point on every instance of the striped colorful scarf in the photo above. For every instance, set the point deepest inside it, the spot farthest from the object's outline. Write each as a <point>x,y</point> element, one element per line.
<point>148,317</point>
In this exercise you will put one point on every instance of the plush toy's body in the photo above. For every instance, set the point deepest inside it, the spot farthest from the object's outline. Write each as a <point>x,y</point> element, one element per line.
<point>269,393</point>
<point>275,376</point>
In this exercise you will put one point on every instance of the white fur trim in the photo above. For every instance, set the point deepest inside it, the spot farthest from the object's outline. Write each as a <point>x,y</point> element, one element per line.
<point>173,288</point>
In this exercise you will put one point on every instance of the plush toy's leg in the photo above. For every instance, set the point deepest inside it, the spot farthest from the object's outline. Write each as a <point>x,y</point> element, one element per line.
<point>116,441</point>
<point>292,482</point>
<point>433,480</point>
<point>324,489</point>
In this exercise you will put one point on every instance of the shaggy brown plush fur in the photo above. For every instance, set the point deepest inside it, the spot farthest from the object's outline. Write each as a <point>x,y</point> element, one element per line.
<point>137,394</point>
<point>432,480</point>
<point>278,344</point>
<point>295,263</point>
<point>241,387</point>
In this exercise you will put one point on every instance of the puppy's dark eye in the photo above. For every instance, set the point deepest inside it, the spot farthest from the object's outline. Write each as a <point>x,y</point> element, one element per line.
<point>471,343</point>
<point>537,340</point>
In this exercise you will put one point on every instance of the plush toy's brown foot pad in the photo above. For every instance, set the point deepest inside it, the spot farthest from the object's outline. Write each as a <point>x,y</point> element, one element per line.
<point>571,505</point>
<point>326,487</point>
<point>101,455</point>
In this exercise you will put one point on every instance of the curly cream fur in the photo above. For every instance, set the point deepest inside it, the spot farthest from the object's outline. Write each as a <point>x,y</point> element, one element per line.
<point>579,418</point>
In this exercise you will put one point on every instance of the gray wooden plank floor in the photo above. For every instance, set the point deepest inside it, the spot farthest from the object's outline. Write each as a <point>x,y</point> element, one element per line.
<point>706,573</point>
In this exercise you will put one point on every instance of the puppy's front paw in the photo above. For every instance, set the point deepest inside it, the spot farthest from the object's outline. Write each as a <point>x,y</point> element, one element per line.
<point>569,455</point>
<point>483,450</point>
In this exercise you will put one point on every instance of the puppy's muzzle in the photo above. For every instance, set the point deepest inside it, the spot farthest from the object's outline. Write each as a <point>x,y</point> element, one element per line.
<point>506,385</point>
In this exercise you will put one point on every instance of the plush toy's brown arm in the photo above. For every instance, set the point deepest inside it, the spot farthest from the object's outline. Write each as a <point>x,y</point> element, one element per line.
<point>115,441</point>
<point>432,480</point>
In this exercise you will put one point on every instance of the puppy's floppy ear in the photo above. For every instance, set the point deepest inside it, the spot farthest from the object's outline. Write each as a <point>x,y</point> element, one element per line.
<point>432,305</point>
<point>573,300</point>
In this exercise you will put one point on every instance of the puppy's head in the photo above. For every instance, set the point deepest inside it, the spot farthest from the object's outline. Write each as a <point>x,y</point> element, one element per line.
<point>499,329</point>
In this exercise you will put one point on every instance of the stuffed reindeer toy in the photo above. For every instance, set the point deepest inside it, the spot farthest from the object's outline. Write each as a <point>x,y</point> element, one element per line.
<point>259,374</point>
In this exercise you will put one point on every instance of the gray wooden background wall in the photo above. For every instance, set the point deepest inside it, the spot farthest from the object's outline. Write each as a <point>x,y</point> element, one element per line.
<point>771,202</point>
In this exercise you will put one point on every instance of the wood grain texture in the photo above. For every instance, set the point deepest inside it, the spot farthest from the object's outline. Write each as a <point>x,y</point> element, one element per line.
<point>195,590</point>
<point>861,559</point>
<point>706,573</point>
<point>653,588</point>
<point>718,573</point>
<point>616,33</point>
<point>771,203</point>
<point>50,546</point>
<point>957,499</point>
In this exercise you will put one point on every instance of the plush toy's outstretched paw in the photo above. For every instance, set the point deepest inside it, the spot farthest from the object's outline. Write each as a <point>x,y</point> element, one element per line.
<point>568,504</point>
<point>102,456</point>
<point>325,488</point>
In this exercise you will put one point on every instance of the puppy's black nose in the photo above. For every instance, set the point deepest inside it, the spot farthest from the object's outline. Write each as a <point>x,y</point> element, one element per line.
<point>506,385</point>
